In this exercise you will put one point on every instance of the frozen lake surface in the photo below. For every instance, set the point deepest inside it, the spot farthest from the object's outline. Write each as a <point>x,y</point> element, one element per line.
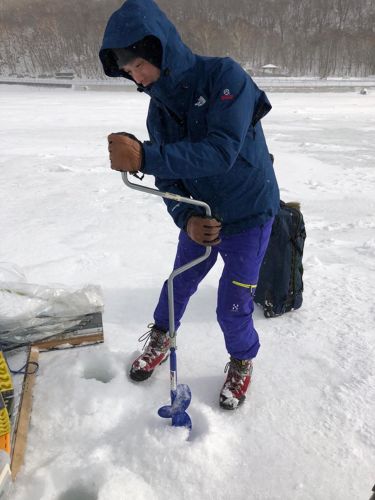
<point>306,431</point>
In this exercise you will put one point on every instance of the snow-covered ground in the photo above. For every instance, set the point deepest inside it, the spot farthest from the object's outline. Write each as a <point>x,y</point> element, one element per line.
<point>307,429</point>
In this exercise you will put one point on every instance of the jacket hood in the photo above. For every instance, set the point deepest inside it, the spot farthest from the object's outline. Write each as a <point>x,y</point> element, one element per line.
<point>134,20</point>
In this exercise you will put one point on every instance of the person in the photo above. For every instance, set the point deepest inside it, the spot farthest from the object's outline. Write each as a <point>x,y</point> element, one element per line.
<point>207,143</point>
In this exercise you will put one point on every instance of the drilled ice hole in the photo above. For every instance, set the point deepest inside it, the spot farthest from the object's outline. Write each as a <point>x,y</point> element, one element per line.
<point>99,369</point>
<point>78,492</point>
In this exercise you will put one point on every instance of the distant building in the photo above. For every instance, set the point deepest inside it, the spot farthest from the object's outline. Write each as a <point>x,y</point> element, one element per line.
<point>266,70</point>
<point>270,69</point>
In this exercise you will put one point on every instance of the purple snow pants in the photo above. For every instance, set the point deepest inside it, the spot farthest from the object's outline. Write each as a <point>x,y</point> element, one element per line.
<point>242,255</point>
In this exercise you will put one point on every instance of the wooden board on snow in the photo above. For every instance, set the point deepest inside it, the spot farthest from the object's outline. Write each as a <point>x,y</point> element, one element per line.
<point>50,332</point>
<point>22,414</point>
<point>87,330</point>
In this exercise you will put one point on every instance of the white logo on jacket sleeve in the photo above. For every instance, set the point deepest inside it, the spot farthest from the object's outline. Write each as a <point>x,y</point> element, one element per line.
<point>200,102</point>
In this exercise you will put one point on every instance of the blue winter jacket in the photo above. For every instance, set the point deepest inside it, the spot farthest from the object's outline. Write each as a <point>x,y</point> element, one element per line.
<point>206,140</point>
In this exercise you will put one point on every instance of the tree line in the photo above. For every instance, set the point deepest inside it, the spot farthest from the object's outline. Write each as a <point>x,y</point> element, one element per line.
<point>302,37</point>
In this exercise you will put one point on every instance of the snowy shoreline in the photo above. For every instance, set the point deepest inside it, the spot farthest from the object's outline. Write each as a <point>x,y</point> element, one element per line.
<point>270,83</point>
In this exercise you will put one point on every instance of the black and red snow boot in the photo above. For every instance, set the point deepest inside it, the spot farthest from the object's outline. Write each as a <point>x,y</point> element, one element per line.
<point>233,393</point>
<point>155,352</point>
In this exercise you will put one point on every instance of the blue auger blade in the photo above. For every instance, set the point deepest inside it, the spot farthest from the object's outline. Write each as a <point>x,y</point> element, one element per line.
<point>165,411</point>
<point>181,399</point>
<point>178,419</point>
<point>182,420</point>
<point>176,411</point>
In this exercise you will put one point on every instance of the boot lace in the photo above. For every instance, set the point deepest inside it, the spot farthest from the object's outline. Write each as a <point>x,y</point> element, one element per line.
<point>237,371</point>
<point>154,342</point>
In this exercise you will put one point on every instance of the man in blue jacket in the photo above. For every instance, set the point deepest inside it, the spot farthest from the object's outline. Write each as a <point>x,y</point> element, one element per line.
<point>206,142</point>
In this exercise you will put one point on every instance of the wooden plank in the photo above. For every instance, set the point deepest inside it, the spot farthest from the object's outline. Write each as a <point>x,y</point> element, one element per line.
<point>88,332</point>
<point>74,341</point>
<point>22,425</point>
<point>53,332</point>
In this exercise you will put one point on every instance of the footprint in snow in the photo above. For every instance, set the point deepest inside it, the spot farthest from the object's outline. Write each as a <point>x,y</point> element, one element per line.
<point>314,184</point>
<point>368,248</point>
<point>60,168</point>
<point>46,156</point>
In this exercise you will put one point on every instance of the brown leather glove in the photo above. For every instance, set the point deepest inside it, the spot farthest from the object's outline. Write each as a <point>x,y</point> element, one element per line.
<point>204,230</point>
<point>125,152</point>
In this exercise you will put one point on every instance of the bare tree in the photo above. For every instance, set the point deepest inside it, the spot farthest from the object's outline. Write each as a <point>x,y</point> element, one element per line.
<point>320,37</point>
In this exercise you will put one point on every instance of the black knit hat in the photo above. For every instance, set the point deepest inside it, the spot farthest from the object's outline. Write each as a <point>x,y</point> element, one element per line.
<point>149,48</point>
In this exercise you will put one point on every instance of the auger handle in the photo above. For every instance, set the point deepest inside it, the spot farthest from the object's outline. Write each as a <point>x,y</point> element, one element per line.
<point>189,265</point>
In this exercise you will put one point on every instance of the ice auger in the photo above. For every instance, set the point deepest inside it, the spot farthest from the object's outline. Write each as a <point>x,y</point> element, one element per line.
<point>180,393</point>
